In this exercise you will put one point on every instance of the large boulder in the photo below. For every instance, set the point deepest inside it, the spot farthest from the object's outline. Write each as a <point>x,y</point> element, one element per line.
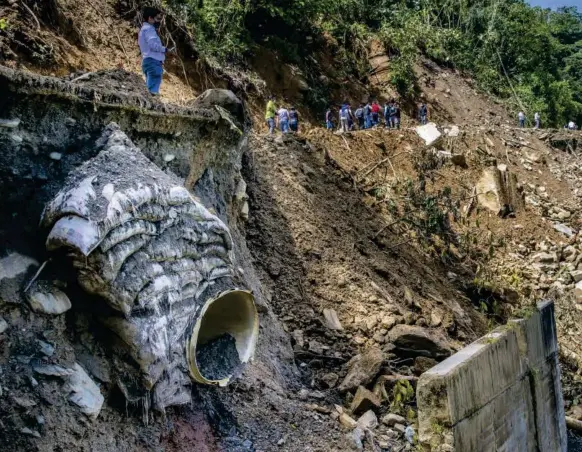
<point>223,98</point>
<point>498,191</point>
<point>412,340</point>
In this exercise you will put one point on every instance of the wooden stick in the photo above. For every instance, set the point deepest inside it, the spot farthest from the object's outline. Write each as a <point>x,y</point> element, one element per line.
<point>86,76</point>
<point>36,275</point>
<point>33,15</point>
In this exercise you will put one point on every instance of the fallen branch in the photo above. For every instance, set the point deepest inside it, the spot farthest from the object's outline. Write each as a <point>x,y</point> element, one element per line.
<point>36,275</point>
<point>86,76</point>
<point>516,143</point>
<point>383,228</point>
<point>381,162</point>
<point>33,15</point>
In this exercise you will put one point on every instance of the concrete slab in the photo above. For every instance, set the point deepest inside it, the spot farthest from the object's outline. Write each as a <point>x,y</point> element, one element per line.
<point>501,393</point>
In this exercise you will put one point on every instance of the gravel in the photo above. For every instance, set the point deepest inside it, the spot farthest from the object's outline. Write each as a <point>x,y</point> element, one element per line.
<point>218,358</point>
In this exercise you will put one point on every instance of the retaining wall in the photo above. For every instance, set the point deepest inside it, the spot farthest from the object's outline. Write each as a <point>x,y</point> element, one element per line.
<point>501,393</point>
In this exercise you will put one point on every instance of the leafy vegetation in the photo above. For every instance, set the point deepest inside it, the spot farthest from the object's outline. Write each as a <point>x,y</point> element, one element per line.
<point>530,57</point>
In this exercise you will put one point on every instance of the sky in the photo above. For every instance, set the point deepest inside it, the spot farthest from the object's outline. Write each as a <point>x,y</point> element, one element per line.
<point>555,3</point>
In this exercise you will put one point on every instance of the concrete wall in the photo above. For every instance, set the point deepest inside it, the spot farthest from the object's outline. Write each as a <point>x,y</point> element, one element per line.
<point>501,393</point>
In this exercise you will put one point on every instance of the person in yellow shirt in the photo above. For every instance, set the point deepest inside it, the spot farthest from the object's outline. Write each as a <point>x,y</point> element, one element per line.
<point>270,114</point>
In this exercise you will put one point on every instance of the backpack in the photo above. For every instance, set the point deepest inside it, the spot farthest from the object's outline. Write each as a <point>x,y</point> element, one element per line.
<point>367,110</point>
<point>360,113</point>
<point>293,115</point>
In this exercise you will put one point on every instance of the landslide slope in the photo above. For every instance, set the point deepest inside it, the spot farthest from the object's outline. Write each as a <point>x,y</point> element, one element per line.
<point>337,224</point>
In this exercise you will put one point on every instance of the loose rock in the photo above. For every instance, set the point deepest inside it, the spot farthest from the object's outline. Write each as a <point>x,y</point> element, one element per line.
<point>362,369</point>
<point>24,402</point>
<point>30,432</point>
<point>3,325</point>
<point>413,340</point>
<point>47,299</point>
<point>368,420</point>
<point>355,438</point>
<point>347,421</point>
<point>330,379</point>
<point>364,400</point>
<point>10,123</point>
<point>391,419</point>
<point>331,319</point>
<point>84,393</point>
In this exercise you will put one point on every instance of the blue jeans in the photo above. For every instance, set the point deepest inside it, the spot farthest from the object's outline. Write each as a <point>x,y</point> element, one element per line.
<point>374,119</point>
<point>368,121</point>
<point>153,70</point>
<point>522,123</point>
<point>271,124</point>
<point>284,124</point>
<point>293,125</point>
<point>423,120</point>
<point>329,125</point>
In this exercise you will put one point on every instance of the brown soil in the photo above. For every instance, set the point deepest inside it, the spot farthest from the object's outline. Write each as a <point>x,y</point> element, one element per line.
<point>116,80</point>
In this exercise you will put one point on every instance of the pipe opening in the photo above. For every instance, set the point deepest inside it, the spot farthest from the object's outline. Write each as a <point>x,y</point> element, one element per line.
<point>223,338</point>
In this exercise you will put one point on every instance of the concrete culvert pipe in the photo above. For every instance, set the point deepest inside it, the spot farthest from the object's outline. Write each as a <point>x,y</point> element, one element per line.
<point>223,338</point>
<point>165,267</point>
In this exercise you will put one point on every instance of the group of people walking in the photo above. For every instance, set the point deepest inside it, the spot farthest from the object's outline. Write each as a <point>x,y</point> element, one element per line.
<point>538,122</point>
<point>286,119</point>
<point>366,116</point>
<point>371,115</point>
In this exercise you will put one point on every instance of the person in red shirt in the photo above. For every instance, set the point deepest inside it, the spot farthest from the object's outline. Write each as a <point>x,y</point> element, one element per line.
<point>375,113</point>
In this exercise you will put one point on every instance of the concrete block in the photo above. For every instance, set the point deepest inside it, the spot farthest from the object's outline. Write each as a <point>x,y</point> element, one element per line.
<point>475,375</point>
<point>501,393</point>
<point>549,409</point>
<point>429,133</point>
<point>505,424</point>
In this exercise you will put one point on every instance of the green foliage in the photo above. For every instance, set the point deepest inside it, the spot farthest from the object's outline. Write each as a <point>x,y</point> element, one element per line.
<point>3,24</point>
<point>402,394</point>
<point>218,26</point>
<point>529,57</point>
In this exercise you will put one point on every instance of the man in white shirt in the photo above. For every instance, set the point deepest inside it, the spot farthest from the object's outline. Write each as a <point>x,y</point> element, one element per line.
<point>537,120</point>
<point>283,115</point>
<point>152,51</point>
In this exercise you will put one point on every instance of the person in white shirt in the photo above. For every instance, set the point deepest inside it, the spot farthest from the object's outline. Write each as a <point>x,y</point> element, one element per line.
<point>571,125</point>
<point>537,120</point>
<point>152,51</point>
<point>521,117</point>
<point>283,115</point>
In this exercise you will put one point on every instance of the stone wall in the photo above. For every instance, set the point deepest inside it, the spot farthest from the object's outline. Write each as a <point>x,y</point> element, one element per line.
<point>500,393</point>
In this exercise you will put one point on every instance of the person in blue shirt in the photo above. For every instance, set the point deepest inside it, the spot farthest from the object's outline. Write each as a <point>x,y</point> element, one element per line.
<point>329,119</point>
<point>293,120</point>
<point>152,51</point>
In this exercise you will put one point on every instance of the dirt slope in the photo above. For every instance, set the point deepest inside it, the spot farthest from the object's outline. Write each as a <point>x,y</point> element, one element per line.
<point>324,236</point>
